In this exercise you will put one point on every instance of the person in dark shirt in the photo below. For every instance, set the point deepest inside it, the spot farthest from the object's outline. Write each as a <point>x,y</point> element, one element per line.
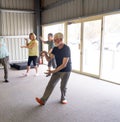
<point>61,53</point>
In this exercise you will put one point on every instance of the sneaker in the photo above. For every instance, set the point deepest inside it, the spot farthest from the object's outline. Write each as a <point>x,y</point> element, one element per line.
<point>26,74</point>
<point>64,102</point>
<point>39,101</point>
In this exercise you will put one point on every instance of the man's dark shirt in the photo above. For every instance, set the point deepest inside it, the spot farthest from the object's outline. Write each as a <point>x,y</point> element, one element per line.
<point>60,54</point>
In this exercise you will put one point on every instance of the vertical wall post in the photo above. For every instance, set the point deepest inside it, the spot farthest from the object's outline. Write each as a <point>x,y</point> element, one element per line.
<point>0,19</point>
<point>38,29</point>
<point>0,24</point>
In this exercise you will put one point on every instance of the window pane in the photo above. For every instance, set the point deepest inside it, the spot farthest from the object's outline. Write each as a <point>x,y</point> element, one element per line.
<point>74,44</point>
<point>111,49</point>
<point>91,47</point>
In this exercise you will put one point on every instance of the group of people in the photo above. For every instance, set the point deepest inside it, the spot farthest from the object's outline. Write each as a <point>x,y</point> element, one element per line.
<point>58,56</point>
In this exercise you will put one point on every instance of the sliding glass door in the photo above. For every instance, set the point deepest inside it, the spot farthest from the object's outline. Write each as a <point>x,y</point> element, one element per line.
<point>94,44</point>
<point>91,47</point>
<point>52,29</point>
<point>111,49</point>
<point>73,40</point>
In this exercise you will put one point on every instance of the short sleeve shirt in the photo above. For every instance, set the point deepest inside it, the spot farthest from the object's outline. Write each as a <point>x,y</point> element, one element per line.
<point>60,54</point>
<point>34,51</point>
<point>50,44</point>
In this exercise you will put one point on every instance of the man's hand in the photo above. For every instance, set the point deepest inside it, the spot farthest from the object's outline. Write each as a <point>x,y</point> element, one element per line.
<point>49,72</point>
<point>42,40</point>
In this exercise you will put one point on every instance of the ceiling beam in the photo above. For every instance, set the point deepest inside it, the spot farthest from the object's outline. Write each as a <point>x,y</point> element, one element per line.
<point>16,10</point>
<point>55,4</point>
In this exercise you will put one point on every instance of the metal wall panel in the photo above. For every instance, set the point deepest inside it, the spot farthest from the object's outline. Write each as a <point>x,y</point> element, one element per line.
<point>93,7</point>
<point>17,4</point>
<point>16,53</point>
<point>48,2</point>
<point>17,24</point>
<point>117,4</point>
<point>76,8</point>
<point>90,7</point>
<point>61,12</point>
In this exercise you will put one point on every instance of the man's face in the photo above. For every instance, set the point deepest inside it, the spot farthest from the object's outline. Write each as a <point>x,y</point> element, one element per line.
<point>50,37</point>
<point>57,41</point>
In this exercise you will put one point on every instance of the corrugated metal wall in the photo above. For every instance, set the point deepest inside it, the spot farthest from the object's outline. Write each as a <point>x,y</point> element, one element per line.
<point>61,12</point>
<point>17,4</point>
<point>16,53</point>
<point>48,2</point>
<point>72,9</point>
<point>17,21</point>
<point>92,7</point>
<point>15,24</point>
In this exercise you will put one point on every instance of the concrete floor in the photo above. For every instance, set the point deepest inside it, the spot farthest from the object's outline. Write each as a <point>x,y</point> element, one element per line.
<point>89,99</point>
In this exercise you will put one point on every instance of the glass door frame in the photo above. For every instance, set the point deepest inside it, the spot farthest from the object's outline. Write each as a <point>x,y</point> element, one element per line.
<point>82,20</point>
<point>102,78</point>
<point>66,33</point>
<point>87,19</point>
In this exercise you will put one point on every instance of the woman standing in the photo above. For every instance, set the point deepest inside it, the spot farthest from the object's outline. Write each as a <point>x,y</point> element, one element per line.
<point>33,52</point>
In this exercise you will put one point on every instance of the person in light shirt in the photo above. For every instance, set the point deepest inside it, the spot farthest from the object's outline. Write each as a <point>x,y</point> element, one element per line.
<point>33,53</point>
<point>4,58</point>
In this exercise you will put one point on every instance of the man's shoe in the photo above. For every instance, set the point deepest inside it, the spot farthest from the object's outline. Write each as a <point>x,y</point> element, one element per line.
<point>6,81</point>
<point>64,102</point>
<point>39,101</point>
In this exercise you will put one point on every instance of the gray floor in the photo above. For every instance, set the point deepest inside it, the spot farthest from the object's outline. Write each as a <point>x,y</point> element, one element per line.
<point>89,99</point>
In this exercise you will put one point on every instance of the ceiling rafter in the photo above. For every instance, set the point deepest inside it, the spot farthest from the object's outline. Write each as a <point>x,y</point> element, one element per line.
<point>55,4</point>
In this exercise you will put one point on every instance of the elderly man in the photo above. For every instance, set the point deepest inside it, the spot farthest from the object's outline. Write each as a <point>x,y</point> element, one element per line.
<point>61,52</point>
<point>4,57</point>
